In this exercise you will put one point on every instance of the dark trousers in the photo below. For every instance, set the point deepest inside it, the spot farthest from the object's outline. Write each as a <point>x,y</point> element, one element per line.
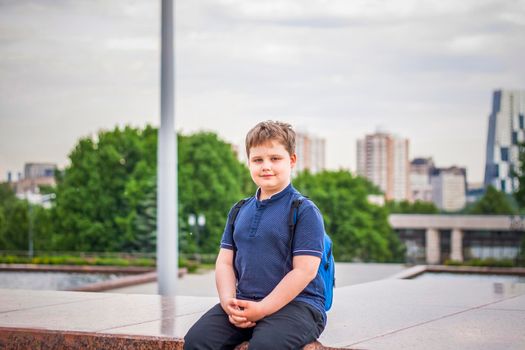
<point>292,327</point>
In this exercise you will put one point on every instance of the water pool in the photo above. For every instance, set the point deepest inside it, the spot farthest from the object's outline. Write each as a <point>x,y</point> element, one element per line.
<point>51,280</point>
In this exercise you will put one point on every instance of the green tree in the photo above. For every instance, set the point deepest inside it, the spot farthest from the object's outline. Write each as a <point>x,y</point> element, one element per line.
<point>493,202</point>
<point>13,220</point>
<point>15,216</point>
<point>15,225</point>
<point>3,225</point>
<point>141,223</point>
<point>359,230</point>
<point>7,194</point>
<point>211,180</point>
<point>43,228</point>
<point>106,198</point>
<point>417,207</point>
<point>91,202</point>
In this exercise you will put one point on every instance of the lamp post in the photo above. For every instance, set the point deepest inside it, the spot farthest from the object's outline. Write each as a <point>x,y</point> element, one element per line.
<point>34,198</point>
<point>30,251</point>
<point>167,210</point>
<point>197,222</point>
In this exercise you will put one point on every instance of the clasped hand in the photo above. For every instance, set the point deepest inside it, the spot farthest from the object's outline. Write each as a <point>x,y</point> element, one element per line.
<point>244,313</point>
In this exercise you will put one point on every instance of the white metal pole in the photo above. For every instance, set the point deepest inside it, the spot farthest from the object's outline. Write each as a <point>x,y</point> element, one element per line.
<point>167,242</point>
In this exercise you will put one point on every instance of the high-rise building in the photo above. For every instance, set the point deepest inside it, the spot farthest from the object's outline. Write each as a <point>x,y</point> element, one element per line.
<point>310,152</point>
<point>420,186</point>
<point>506,130</point>
<point>449,186</point>
<point>383,159</point>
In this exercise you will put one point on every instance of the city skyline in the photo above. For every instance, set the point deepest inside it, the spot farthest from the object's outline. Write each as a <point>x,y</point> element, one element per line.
<point>423,70</point>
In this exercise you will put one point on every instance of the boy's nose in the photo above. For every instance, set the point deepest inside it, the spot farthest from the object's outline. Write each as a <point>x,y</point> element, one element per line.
<point>266,165</point>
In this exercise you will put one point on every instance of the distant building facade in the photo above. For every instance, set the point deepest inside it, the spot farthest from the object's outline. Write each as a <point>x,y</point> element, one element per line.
<point>383,159</point>
<point>475,191</point>
<point>36,170</point>
<point>436,238</point>
<point>420,186</point>
<point>35,175</point>
<point>449,186</point>
<point>506,130</point>
<point>310,152</point>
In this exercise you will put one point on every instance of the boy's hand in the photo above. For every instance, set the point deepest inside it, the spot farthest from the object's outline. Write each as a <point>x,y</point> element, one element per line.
<point>240,324</point>
<point>250,310</point>
<point>231,307</point>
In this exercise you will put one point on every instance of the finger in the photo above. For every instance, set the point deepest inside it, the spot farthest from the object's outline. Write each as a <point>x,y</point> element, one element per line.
<point>237,312</point>
<point>231,309</point>
<point>239,319</point>
<point>232,321</point>
<point>243,303</point>
<point>235,322</point>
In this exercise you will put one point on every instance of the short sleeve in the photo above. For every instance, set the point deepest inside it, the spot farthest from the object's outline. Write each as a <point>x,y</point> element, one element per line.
<point>227,235</point>
<point>309,231</point>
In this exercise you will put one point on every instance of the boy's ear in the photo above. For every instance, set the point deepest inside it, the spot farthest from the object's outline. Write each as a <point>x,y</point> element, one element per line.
<point>293,159</point>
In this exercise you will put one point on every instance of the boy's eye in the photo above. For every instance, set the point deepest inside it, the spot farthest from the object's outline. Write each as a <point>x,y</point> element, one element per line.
<point>257,160</point>
<point>276,158</point>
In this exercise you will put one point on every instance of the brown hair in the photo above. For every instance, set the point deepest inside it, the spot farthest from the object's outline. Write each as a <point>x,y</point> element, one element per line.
<point>271,131</point>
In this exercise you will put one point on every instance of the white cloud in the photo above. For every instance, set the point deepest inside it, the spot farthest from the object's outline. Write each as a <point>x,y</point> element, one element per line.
<point>127,43</point>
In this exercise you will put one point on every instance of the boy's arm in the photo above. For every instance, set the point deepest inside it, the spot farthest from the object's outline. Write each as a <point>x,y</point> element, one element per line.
<point>304,271</point>
<point>225,281</point>
<point>225,276</point>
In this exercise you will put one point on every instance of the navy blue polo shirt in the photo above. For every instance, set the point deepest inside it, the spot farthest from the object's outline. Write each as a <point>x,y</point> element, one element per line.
<point>264,251</point>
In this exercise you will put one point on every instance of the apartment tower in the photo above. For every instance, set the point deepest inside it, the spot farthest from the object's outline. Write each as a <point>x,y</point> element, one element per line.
<point>420,186</point>
<point>449,188</point>
<point>383,159</point>
<point>310,152</point>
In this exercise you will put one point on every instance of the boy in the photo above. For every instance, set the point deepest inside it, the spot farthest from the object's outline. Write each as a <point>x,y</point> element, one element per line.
<point>269,289</point>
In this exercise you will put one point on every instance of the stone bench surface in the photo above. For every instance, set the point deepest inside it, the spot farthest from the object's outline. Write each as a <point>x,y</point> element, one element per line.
<point>387,314</point>
<point>19,338</point>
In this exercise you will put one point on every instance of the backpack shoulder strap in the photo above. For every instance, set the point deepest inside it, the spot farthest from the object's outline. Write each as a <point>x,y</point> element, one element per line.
<point>233,216</point>
<point>293,215</point>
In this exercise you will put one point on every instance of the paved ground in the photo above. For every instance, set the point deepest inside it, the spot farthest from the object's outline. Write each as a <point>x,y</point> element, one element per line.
<point>386,314</point>
<point>203,284</point>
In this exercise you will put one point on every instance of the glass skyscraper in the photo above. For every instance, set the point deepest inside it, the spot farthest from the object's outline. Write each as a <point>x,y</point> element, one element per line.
<point>506,131</point>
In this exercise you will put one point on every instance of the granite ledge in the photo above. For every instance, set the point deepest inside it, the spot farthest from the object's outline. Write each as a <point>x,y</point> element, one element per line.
<point>24,338</point>
<point>29,338</point>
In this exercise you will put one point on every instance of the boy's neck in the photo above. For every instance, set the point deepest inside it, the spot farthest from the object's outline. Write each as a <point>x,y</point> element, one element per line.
<point>262,196</point>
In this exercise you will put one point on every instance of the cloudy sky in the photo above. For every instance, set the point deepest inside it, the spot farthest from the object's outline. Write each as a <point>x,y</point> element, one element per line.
<point>422,69</point>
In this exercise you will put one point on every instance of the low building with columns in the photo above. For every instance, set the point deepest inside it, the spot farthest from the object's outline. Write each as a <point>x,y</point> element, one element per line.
<point>433,239</point>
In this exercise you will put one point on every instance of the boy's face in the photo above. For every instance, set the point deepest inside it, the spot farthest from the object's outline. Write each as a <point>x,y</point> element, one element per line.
<point>271,167</point>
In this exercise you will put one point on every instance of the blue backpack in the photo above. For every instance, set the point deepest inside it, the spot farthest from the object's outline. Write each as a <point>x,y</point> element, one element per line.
<point>327,265</point>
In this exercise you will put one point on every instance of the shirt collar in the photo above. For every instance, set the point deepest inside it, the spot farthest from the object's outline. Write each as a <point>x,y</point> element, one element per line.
<point>275,196</point>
